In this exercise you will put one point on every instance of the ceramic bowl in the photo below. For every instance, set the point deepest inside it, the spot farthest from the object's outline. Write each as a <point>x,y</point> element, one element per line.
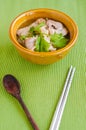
<point>27,18</point>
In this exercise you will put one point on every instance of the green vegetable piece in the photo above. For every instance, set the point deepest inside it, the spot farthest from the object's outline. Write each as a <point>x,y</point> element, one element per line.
<point>36,30</point>
<point>40,25</point>
<point>31,29</point>
<point>38,44</point>
<point>22,37</point>
<point>58,40</point>
<point>44,45</point>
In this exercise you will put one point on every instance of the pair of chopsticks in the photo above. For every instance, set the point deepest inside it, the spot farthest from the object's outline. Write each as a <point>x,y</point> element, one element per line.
<point>60,107</point>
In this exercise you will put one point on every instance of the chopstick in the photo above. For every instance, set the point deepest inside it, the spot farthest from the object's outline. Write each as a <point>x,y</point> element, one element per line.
<point>61,105</point>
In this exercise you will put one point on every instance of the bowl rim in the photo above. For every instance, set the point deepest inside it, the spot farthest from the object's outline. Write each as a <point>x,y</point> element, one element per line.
<point>20,47</point>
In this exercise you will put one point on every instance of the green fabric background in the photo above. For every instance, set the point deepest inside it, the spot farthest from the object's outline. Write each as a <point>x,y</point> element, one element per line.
<point>41,86</point>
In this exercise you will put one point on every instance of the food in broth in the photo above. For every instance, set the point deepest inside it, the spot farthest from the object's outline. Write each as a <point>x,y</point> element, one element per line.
<point>43,35</point>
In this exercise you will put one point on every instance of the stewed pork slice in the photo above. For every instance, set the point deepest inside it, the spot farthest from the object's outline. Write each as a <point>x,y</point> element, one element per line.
<point>51,48</point>
<point>44,30</point>
<point>30,43</point>
<point>24,31</point>
<point>56,27</point>
<point>40,20</point>
<point>54,24</point>
<point>63,31</point>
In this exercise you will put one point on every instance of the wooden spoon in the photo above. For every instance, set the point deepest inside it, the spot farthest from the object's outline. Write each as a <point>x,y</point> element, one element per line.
<point>12,86</point>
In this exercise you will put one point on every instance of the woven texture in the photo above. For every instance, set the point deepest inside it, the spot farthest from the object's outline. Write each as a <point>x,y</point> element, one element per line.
<point>41,86</point>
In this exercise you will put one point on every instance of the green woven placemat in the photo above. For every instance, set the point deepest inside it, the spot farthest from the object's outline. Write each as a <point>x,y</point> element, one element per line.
<point>41,86</point>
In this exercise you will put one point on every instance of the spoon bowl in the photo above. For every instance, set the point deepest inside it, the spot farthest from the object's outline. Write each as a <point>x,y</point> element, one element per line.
<point>11,85</point>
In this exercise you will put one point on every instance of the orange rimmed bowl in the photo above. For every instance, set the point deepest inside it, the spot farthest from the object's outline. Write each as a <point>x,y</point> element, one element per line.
<point>27,18</point>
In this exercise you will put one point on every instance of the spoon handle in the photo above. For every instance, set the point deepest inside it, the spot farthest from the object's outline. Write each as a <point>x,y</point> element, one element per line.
<point>27,113</point>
